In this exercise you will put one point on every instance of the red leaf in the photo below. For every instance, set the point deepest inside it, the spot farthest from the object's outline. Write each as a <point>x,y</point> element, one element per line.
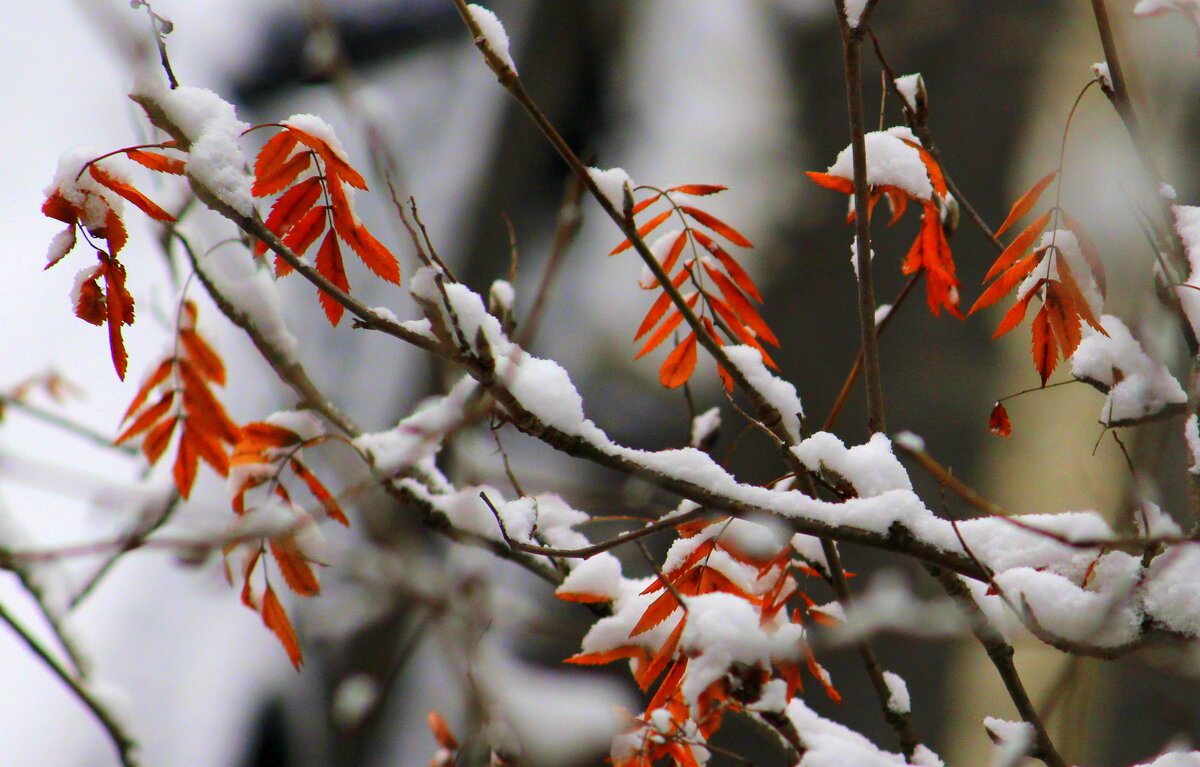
<point>1014,315</point>
<point>274,154</point>
<point>158,376</point>
<point>998,422</point>
<point>742,306</point>
<point>698,190</point>
<point>717,225</point>
<point>156,441</point>
<point>643,230</point>
<point>186,458</point>
<point>836,183</point>
<point>664,330</point>
<point>732,267</point>
<point>120,311</point>
<point>1090,252</point>
<point>301,236</point>
<point>648,673</point>
<point>679,365</point>
<point>210,449</point>
<point>1027,201</point>
<point>281,177</point>
<point>57,207</point>
<point>646,203</point>
<point>329,264</point>
<point>334,165</point>
<point>1018,247</point>
<point>320,492</point>
<point>143,202</point>
<point>276,619</point>
<point>296,571</point>
<point>1009,280</point>
<point>89,303</point>
<point>204,411</point>
<point>290,208</point>
<point>607,656</point>
<point>660,306</point>
<point>377,258</point>
<point>113,231</point>
<point>147,418</point>
<point>206,361</point>
<point>1045,355</point>
<point>441,731</point>
<point>157,162</point>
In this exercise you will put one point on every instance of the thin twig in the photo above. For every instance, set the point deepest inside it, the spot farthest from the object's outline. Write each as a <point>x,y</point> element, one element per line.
<point>121,740</point>
<point>66,424</point>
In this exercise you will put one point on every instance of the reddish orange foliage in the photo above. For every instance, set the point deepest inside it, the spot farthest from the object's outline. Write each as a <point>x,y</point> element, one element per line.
<point>721,286</point>
<point>317,205</point>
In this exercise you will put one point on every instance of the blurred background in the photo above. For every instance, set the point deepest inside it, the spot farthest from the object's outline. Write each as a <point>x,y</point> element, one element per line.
<point>744,93</point>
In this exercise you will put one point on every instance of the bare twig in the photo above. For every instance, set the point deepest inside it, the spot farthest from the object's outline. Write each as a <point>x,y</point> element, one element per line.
<point>122,742</point>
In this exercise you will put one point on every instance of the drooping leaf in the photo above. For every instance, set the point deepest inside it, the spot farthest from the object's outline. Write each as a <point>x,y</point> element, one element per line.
<point>1026,202</point>
<point>275,618</point>
<point>1009,280</point>
<point>698,190</point>
<point>120,311</point>
<point>735,271</point>
<point>144,203</point>
<point>295,568</point>
<point>157,440</point>
<point>160,374</point>
<point>89,301</point>
<point>211,450</point>
<point>1013,316</point>
<point>326,499</point>
<point>1045,353</point>
<point>998,422</point>
<point>679,365</point>
<point>334,165</point>
<point>665,329</point>
<point>206,361</point>
<point>742,306</point>
<point>301,236</point>
<point>329,264</point>
<point>836,183</point>
<point>186,462</point>
<point>441,731</point>
<point>1091,253</point>
<point>290,207</point>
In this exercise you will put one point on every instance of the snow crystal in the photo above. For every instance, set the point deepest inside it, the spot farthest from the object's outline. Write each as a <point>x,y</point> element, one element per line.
<point>612,184</point>
<point>354,698</point>
<point>1156,7</point>
<point>547,717</point>
<point>1166,191</point>
<point>910,441</point>
<point>1068,611</point>
<point>1153,522</point>
<point>83,191</point>
<point>303,423</point>
<point>898,700</point>
<point>318,128</point>
<point>909,86</point>
<point>1137,386</point>
<point>1187,223</point>
<point>545,389</point>
<point>923,756</point>
<point>419,434</point>
<point>1191,432</point>
<point>723,629</point>
<point>704,426</point>
<point>215,157</point>
<point>387,314</point>
<point>759,540</point>
<point>242,281</point>
<point>502,296</point>
<point>882,312</point>
<point>1066,245</point>
<point>1013,738</point>
<point>660,248</point>
<point>890,162</point>
<point>872,468</point>
<point>889,604</point>
<point>829,743</point>
<point>599,575</point>
<point>779,393</point>
<point>773,699</point>
<point>493,33</point>
<point>1175,759</point>
<point>1169,591</point>
<point>854,11</point>
<point>1100,70</point>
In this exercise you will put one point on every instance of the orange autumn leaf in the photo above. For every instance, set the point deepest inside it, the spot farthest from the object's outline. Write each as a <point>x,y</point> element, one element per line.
<point>207,363</point>
<point>441,731</point>
<point>144,203</point>
<point>329,265</point>
<point>273,155</point>
<point>280,177</point>
<point>717,225</point>
<point>1026,202</point>
<point>679,365</point>
<point>295,568</point>
<point>323,496</point>
<point>643,230</point>
<point>665,329</point>
<point>157,162</point>
<point>698,190</point>
<point>275,618</point>
<point>660,306</point>
<point>1045,353</point>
